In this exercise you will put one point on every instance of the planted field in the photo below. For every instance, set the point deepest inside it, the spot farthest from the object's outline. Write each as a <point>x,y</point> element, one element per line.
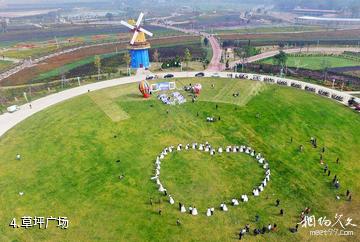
<point>353,34</point>
<point>196,49</point>
<point>48,65</point>
<point>316,62</point>
<point>260,30</point>
<point>73,154</point>
<point>5,64</point>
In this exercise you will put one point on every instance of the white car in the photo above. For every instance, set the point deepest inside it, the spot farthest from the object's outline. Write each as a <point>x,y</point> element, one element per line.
<point>13,108</point>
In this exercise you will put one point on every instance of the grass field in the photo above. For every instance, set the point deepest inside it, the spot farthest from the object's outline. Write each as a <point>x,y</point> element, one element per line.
<point>5,64</point>
<point>315,62</point>
<point>69,165</point>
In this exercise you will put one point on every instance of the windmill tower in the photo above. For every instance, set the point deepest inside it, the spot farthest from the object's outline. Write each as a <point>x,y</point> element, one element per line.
<point>139,46</point>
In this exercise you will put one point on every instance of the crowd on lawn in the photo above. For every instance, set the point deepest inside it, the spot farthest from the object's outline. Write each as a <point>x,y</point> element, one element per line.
<point>206,147</point>
<point>173,99</point>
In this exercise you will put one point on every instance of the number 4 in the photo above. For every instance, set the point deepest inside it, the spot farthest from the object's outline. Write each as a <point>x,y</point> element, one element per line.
<point>13,223</point>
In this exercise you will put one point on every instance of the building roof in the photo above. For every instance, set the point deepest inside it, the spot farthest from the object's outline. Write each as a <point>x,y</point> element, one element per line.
<point>330,19</point>
<point>310,10</point>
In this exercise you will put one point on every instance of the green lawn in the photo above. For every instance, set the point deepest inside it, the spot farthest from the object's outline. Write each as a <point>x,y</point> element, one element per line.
<point>27,53</point>
<point>69,153</point>
<point>5,64</point>
<point>316,62</point>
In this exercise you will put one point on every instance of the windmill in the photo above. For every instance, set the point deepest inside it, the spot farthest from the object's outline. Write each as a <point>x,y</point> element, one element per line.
<point>139,46</point>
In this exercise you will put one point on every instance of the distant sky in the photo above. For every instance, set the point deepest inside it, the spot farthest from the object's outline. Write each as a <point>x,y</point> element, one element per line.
<point>44,1</point>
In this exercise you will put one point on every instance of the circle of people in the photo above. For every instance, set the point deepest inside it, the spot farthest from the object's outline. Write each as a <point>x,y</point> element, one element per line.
<point>212,151</point>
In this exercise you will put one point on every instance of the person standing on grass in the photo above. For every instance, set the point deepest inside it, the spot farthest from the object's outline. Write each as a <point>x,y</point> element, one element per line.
<point>274,228</point>
<point>277,202</point>
<point>247,228</point>
<point>325,168</point>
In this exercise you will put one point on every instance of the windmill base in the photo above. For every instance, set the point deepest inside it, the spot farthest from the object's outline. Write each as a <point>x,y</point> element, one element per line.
<point>140,58</point>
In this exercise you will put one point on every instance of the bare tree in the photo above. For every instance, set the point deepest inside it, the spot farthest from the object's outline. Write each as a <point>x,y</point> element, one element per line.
<point>127,59</point>
<point>156,55</point>
<point>97,63</point>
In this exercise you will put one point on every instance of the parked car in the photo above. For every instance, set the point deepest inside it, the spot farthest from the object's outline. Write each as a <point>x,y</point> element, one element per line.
<point>169,76</point>
<point>13,108</point>
<point>200,74</point>
<point>150,77</point>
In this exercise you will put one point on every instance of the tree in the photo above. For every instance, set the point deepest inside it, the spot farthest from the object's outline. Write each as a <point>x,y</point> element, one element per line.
<point>109,16</point>
<point>156,56</point>
<point>206,41</point>
<point>97,63</point>
<point>325,66</point>
<point>227,65</point>
<point>187,56</point>
<point>205,62</point>
<point>243,55</point>
<point>280,60</point>
<point>127,59</point>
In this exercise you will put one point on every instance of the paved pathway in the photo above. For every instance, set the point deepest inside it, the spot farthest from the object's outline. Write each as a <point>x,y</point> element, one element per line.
<point>215,64</point>
<point>9,120</point>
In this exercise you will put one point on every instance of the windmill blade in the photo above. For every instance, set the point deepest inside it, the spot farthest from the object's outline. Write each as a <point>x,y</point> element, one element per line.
<point>127,25</point>
<point>146,32</point>
<point>136,33</point>
<point>138,22</point>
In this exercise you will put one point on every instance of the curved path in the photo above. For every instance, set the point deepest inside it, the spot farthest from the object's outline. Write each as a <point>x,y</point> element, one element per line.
<point>215,64</point>
<point>9,120</point>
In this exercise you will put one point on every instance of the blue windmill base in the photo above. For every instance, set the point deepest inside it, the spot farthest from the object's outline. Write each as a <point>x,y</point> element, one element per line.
<point>140,58</point>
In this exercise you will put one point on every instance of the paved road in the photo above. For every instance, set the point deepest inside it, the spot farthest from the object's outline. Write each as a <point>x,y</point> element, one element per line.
<point>215,64</point>
<point>9,120</point>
